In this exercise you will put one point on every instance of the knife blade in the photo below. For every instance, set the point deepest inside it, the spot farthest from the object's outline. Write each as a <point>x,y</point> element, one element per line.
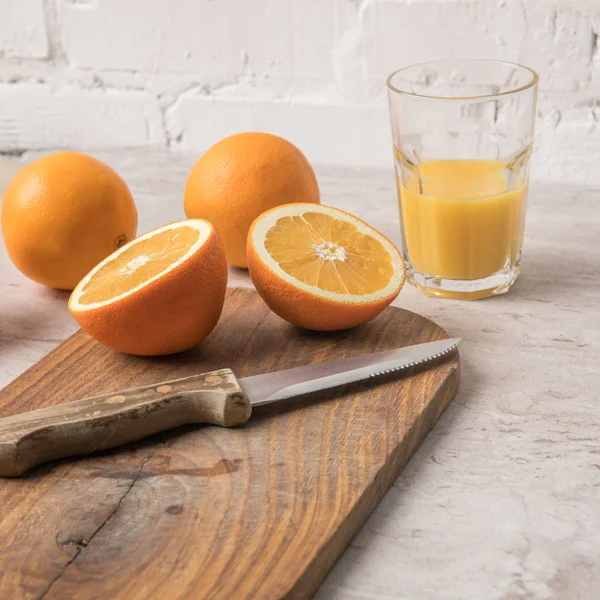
<point>218,398</point>
<point>279,385</point>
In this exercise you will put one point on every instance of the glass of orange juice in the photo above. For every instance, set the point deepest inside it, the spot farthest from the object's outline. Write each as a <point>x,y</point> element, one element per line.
<point>463,134</point>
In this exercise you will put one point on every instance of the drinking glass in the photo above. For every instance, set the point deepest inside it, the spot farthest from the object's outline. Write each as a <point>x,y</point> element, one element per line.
<point>463,134</point>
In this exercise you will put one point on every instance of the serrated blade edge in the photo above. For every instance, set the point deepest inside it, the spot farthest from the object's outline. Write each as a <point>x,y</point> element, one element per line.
<point>278,385</point>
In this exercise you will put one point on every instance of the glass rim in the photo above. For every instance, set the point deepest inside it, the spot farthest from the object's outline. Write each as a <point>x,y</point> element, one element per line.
<point>531,84</point>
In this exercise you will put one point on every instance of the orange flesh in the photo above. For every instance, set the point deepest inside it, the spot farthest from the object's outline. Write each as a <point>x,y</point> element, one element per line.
<point>139,263</point>
<point>329,253</point>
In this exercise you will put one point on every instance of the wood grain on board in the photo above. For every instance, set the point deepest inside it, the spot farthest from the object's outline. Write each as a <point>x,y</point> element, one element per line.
<point>260,511</point>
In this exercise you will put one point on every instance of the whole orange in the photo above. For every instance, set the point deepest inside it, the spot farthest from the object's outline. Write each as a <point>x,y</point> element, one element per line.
<point>241,177</point>
<point>64,213</point>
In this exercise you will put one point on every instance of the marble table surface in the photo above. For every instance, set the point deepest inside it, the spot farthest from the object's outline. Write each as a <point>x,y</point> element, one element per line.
<point>502,500</point>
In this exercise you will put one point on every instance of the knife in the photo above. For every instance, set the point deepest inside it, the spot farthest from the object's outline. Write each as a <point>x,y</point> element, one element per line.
<point>217,398</point>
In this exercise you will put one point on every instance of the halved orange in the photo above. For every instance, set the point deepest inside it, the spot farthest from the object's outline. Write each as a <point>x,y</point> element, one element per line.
<point>161,293</point>
<point>321,268</point>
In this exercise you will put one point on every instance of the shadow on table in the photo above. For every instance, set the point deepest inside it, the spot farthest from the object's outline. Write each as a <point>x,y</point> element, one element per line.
<point>551,273</point>
<point>31,323</point>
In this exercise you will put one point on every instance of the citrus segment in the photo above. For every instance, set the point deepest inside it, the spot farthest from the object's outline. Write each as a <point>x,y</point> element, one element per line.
<point>329,253</point>
<point>139,263</point>
<point>161,293</point>
<point>322,268</point>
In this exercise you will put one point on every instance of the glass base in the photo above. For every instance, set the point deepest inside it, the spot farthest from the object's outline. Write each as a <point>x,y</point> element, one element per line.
<point>458,289</point>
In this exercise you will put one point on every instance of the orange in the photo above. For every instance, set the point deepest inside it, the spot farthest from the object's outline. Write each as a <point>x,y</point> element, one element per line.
<point>161,293</point>
<point>62,214</point>
<point>321,268</point>
<point>241,177</point>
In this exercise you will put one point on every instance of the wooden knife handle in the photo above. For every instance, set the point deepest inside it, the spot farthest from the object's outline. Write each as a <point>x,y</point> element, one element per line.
<point>101,422</point>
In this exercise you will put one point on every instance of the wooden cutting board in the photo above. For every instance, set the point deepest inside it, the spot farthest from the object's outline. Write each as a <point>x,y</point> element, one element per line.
<point>261,511</point>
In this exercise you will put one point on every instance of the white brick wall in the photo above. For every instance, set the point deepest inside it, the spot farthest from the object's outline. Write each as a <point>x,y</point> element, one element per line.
<point>23,29</point>
<point>182,74</point>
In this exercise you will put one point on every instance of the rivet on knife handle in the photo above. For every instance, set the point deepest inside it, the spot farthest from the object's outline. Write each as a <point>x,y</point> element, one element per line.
<point>102,422</point>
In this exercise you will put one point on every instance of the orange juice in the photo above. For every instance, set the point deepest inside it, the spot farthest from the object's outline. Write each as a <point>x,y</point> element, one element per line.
<point>462,219</point>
